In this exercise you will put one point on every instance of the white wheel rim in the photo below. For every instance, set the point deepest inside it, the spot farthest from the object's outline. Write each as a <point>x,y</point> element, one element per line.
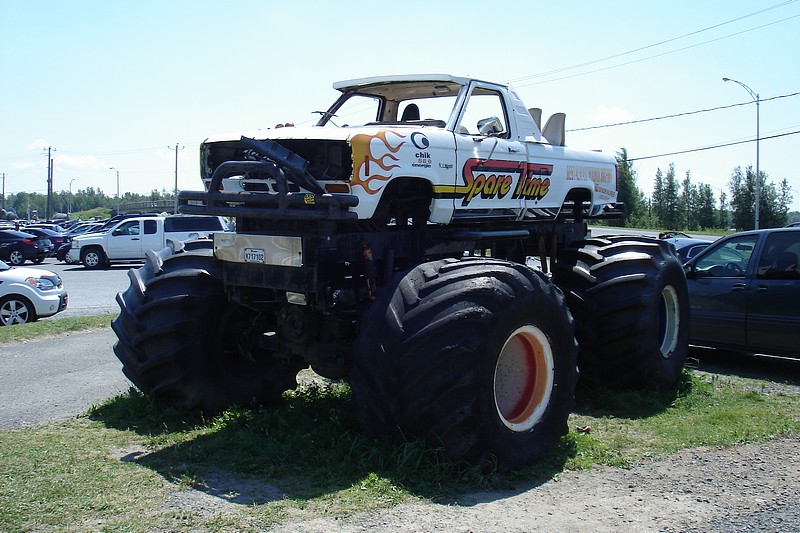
<point>14,312</point>
<point>523,378</point>
<point>669,321</point>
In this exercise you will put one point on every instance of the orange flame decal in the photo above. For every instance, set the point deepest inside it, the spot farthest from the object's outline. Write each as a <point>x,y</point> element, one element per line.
<point>369,157</point>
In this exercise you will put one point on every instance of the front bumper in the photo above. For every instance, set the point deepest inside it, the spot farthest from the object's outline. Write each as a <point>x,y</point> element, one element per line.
<point>50,303</point>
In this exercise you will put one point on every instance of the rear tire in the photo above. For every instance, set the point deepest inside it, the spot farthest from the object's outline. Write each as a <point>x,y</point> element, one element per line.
<point>181,342</point>
<point>16,258</point>
<point>631,306</point>
<point>476,356</point>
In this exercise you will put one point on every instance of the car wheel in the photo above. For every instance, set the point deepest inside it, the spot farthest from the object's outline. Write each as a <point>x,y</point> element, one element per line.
<point>16,310</point>
<point>93,258</point>
<point>16,258</point>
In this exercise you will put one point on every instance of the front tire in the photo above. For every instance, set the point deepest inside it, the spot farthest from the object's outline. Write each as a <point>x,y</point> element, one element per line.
<point>16,310</point>
<point>180,340</point>
<point>630,301</point>
<point>93,258</point>
<point>477,356</point>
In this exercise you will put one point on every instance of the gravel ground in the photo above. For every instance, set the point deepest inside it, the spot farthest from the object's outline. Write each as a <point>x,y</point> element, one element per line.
<point>753,487</point>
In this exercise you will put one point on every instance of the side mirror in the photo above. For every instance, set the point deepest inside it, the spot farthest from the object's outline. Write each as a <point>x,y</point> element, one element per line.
<point>490,126</point>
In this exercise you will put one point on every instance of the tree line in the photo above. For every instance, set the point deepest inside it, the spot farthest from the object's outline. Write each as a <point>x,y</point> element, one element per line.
<point>28,206</point>
<point>680,204</point>
<point>676,204</point>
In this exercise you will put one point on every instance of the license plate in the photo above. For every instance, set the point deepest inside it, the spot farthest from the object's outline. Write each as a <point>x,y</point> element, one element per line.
<point>254,255</point>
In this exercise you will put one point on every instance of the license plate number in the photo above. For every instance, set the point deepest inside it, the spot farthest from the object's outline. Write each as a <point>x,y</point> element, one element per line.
<point>254,255</point>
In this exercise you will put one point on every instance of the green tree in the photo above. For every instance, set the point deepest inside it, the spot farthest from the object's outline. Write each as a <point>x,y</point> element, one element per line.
<point>629,193</point>
<point>657,201</point>
<point>687,204</point>
<point>773,202</point>
<point>670,209</point>
<point>706,212</point>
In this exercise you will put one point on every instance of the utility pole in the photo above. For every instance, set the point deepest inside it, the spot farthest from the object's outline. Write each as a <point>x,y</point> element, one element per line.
<point>4,190</point>
<point>177,148</point>
<point>47,209</point>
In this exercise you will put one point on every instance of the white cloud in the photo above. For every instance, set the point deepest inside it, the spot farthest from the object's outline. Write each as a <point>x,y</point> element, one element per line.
<point>38,145</point>
<point>610,115</point>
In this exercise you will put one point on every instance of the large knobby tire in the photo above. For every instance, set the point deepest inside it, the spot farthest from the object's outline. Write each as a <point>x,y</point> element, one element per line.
<point>180,341</point>
<point>477,356</point>
<point>631,306</point>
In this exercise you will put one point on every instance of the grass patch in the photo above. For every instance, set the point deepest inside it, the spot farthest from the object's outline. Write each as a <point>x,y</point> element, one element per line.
<point>307,457</point>
<point>52,327</point>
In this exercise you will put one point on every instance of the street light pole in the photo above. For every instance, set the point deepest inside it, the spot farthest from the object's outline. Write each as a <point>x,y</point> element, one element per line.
<point>70,196</point>
<point>755,97</point>
<point>177,147</point>
<point>112,168</point>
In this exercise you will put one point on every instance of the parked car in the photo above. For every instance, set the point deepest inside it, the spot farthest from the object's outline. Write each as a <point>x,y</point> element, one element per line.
<point>131,238</point>
<point>16,247</point>
<point>685,245</point>
<point>58,239</point>
<point>744,291</point>
<point>28,294</point>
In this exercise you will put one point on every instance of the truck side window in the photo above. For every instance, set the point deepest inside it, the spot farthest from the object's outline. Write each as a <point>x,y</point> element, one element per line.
<point>780,256</point>
<point>150,227</point>
<point>128,228</point>
<point>729,260</point>
<point>483,105</point>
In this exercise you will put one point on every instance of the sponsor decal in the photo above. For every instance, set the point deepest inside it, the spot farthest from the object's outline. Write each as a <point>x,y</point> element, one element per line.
<point>419,140</point>
<point>424,159</point>
<point>595,174</point>
<point>497,179</point>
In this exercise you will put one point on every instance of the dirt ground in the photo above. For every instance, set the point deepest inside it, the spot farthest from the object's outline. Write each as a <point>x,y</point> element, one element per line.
<point>754,487</point>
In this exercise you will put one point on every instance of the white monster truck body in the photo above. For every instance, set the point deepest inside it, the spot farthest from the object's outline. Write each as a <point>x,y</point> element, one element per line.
<point>475,145</point>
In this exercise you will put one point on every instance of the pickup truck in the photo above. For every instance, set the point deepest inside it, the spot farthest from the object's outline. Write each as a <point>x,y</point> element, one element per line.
<point>743,293</point>
<point>130,239</point>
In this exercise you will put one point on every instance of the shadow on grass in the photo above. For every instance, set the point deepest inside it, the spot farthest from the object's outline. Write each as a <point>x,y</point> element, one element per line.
<point>308,446</point>
<point>777,369</point>
<point>629,404</point>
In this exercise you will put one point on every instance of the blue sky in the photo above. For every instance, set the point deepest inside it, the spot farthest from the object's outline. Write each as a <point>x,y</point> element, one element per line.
<point>119,84</point>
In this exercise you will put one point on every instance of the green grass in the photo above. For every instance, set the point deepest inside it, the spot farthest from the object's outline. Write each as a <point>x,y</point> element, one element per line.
<point>49,327</point>
<point>307,456</point>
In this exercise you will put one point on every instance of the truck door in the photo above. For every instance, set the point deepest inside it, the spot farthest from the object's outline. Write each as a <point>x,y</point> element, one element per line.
<point>152,238</point>
<point>125,240</point>
<point>718,285</point>
<point>773,313</point>
<point>491,160</point>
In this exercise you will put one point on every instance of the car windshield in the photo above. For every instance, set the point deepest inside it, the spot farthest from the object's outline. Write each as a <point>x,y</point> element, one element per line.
<point>730,259</point>
<point>419,102</point>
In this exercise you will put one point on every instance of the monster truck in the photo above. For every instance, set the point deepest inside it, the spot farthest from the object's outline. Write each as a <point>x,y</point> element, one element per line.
<point>427,240</point>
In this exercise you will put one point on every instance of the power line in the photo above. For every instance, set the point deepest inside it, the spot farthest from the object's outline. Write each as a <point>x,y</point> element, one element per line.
<point>657,55</point>
<point>713,147</point>
<point>614,56</point>
<point>675,115</point>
